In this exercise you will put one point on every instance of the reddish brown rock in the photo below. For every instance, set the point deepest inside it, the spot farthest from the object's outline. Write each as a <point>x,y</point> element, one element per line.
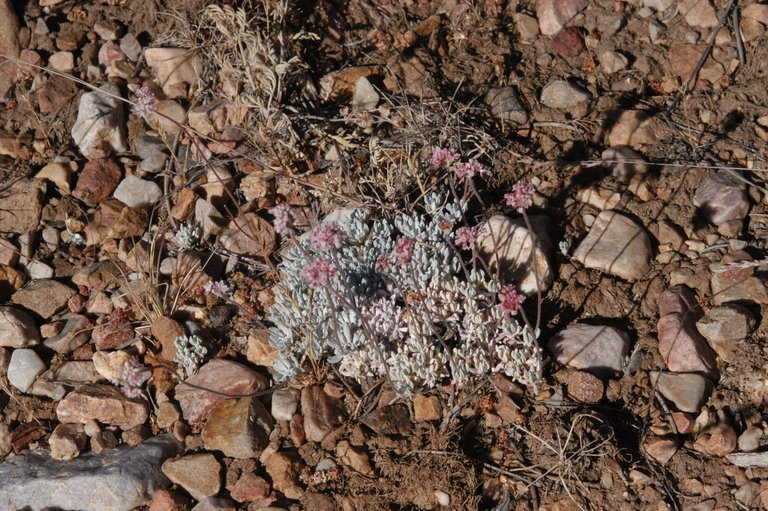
<point>43,297</point>
<point>55,92</point>
<point>166,330</point>
<point>683,60</point>
<point>568,42</point>
<point>169,500</point>
<point>285,469</point>
<point>239,428</point>
<point>97,181</point>
<point>321,413</point>
<point>251,488</point>
<point>718,440</point>
<point>683,422</point>
<point>681,345</point>
<point>660,449</point>
<point>184,204</point>
<point>224,376</point>
<point>426,408</point>
<point>198,474</point>
<point>104,403</point>
<point>113,335</point>
<point>584,387</point>
<point>354,457</point>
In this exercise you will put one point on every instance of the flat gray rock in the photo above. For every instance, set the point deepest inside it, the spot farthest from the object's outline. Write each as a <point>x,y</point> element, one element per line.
<point>617,245</point>
<point>138,193</point>
<point>601,350</point>
<point>118,480</point>
<point>688,391</point>
<point>507,245</point>
<point>725,326</point>
<point>749,459</point>
<point>99,129</point>
<point>722,198</point>
<point>562,94</point>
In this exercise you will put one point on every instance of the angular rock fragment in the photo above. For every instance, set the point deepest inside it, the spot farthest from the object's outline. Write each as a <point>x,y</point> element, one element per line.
<point>137,193</point>
<point>24,368</point>
<point>688,391</point>
<point>239,428</point>
<point>223,376</point>
<point>284,467</point>
<point>721,198</point>
<point>617,245</point>
<point>724,326</point>
<point>321,412</point>
<point>554,14</point>
<point>681,345</point>
<point>506,106</point>
<point>21,204</point>
<point>99,130</point>
<point>176,69</point>
<point>507,244</point>
<point>562,95</point>
<point>43,297</point>
<point>104,403</point>
<point>285,402</point>
<point>17,329</point>
<point>601,350</point>
<point>199,474</point>
<point>66,441</point>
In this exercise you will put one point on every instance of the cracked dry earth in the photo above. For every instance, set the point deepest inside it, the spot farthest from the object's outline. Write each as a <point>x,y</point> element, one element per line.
<point>142,146</point>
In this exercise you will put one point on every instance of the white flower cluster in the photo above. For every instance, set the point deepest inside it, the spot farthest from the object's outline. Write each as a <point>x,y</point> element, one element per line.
<point>409,312</point>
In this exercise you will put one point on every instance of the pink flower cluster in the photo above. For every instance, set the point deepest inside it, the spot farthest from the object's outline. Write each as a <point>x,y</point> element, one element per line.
<point>219,288</point>
<point>131,377</point>
<point>326,236</point>
<point>443,157</point>
<point>404,250</point>
<point>383,262</point>
<point>521,196</point>
<point>447,157</point>
<point>466,237</point>
<point>318,272</point>
<point>284,219</point>
<point>146,102</point>
<point>470,169</point>
<point>510,300</point>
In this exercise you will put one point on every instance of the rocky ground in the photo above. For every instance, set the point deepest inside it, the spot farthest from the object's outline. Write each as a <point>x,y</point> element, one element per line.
<point>143,148</point>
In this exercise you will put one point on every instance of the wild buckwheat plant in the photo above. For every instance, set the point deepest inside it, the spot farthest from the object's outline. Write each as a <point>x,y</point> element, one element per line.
<point>130,377</point>
<point>146,103</point>
<point>190,352</point>
<point>188,235</point>
<point>393,299</point>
